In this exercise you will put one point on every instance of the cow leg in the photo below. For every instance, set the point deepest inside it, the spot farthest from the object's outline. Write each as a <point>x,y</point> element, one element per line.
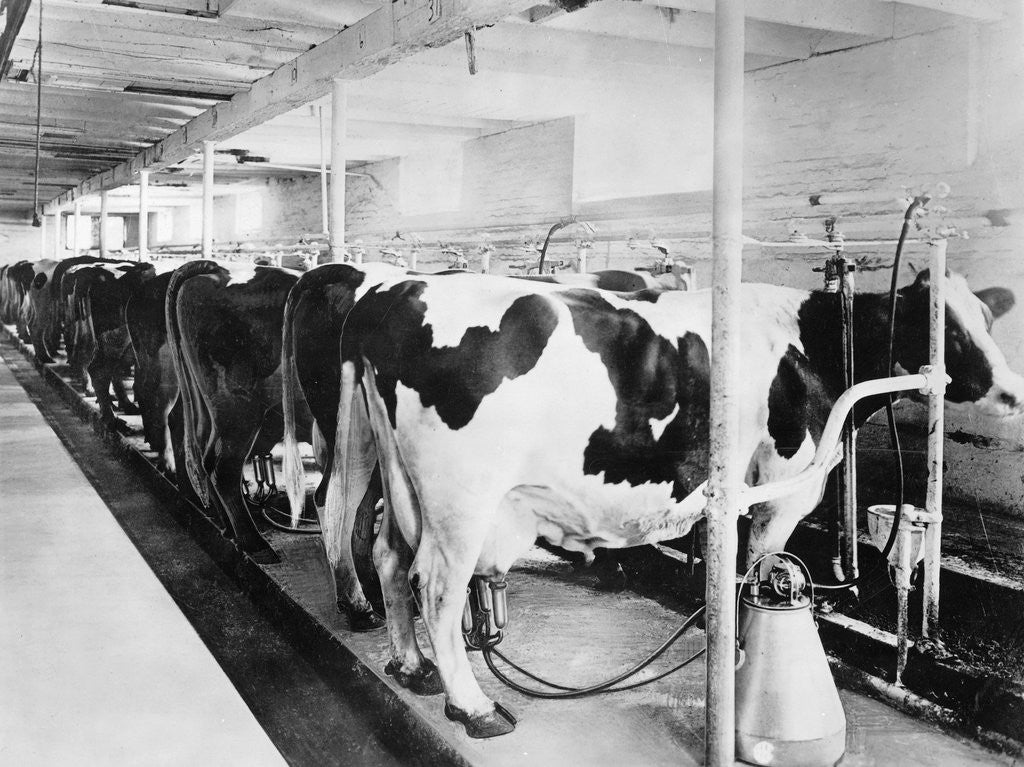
<point>124,402</point>
<point>392,557</point>
<point>99,371</point>
<point>176,436</point>
<point>440,574</point>
<point>226,481</point>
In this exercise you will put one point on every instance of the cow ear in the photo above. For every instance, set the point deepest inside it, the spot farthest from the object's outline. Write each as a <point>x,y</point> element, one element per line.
<point>998,300</point>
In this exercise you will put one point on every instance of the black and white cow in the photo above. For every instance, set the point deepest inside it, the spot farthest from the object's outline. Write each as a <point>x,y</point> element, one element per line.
<point>224,334</point>
<point>502,412</point>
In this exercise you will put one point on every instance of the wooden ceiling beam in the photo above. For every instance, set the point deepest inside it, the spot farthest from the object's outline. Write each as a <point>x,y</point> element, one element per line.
<point>388,34</point>
<point>14,16</point>
<point>853,17</point>
<point>980,10</point>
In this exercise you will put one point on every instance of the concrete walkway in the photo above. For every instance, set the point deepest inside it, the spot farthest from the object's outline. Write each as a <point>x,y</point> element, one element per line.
<point>97,664</point>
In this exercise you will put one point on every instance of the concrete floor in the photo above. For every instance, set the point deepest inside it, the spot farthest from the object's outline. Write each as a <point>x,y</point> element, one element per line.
<point>97,664</point>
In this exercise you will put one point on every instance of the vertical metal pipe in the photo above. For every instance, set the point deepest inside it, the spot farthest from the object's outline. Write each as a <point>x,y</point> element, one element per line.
<point>904,543</point>
<point>724,478</point>
<point>104,207</point>
<point>143,215</point>
<point>208,199</point>
<point>325,225</point>
<point>75,239</point>
<point>58,246</point>
<point>42,236</point>
<point>936,436</point>
<point>337,213</point>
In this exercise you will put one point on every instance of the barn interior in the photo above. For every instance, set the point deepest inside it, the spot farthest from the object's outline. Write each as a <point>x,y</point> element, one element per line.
<point>430,131</point>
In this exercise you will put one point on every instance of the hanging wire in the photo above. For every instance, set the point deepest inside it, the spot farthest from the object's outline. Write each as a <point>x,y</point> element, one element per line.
<point>36,220</point>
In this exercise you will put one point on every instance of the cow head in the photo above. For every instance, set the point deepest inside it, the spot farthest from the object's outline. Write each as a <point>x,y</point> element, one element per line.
<point>979,371</point>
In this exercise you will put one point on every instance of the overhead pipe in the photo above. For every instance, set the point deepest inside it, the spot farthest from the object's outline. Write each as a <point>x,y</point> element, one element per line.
<point>724,476</point>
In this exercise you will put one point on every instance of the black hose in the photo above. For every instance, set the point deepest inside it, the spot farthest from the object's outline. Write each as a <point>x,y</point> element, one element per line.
<point>566,692</point>
<point>894,436</point>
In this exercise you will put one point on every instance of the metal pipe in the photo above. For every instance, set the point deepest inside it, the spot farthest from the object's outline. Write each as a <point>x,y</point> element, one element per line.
<point>936,436</point>
<point>324,210</point>
<point>828,452</point>
<point>143,215</point>
<point>75,244</point>
<point>208,199</point>
<point>57,248</point>
<point>104,208</point>
<point>724,475</point>
<point>336,227</point>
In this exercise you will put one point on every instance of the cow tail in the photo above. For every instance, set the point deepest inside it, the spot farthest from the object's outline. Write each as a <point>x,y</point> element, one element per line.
<point>193,456</point>
<point>294,475</point>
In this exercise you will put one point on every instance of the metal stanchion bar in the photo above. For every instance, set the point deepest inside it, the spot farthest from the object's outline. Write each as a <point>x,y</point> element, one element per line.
<point>724,476</point>
<point>936,435</point>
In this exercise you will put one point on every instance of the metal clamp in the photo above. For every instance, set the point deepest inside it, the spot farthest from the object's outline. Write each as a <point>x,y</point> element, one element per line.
<point>936,380</point>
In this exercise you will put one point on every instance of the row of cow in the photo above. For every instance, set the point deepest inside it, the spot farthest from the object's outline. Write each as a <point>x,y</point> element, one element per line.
<point>485,411</point>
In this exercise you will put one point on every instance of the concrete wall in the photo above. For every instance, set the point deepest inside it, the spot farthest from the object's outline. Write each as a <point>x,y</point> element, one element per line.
<point>20,241</point>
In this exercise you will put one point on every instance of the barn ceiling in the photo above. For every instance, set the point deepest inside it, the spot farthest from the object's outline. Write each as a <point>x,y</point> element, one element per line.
<point>127,85</point>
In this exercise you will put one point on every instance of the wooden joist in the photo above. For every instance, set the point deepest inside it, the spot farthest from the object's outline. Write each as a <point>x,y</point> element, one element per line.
<point>392,32</point>
<point>14,12</point>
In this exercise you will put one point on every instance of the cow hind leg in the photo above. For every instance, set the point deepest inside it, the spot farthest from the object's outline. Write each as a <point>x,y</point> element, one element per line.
<point>393,557</point>
<point>440,575</point>
<point>226,480</point>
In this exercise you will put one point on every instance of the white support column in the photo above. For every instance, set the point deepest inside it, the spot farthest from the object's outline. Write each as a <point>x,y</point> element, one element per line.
<point>58,246</point>
<point>325,217</point>
<point>337,212</point>
<point>104,206</point>
<point>724,477</point>
<point>75,244</point>
<point>143,215</point>
<point>936,437</point>
<point>208,199</point>
<point>42,236</point>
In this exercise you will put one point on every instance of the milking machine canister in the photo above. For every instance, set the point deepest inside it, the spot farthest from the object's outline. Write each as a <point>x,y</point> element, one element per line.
<point>787,708</point>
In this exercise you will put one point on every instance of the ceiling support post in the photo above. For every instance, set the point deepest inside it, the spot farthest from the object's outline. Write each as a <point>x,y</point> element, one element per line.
<point>325,216</point>
<point>104,207</point>
<point>58,246</point>
<point>208,199</point>
<point>725,477</point>
<point>143,215</point>
<point>337,211</point>
<point>42,236</point>
<point>75,244</point>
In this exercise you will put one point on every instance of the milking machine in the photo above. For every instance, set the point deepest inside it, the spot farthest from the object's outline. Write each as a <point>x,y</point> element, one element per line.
<point>265,497</point>
<point>561,224</point>
<point>787,708</point>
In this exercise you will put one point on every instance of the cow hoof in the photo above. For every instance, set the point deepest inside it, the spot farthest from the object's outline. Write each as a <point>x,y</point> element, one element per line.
<point>362,621</point>
<point>265,557</point>
<point>423,681</point>
<point>500,721</point>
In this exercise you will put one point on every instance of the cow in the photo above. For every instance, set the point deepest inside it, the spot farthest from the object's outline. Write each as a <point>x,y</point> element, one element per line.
<point>313,318</point>
<point>96,337</point>
<point>47,305</point>
<point>314,315</point>
<point>155,386</point>
<point>224,335</point>
<point>501,413</point>
<point>17,279</point>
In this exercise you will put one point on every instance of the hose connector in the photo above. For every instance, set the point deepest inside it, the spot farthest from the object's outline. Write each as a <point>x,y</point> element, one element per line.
<point>935,380</point>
